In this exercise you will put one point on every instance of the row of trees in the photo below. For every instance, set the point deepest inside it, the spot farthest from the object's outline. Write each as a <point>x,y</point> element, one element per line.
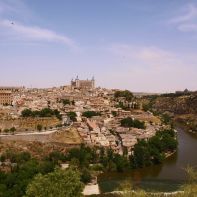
<point>46,112</point>
<point>11,130</point>
<point>90,114</point>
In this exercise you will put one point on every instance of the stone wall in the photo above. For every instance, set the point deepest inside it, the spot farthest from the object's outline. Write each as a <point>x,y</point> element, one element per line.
<point>28,124</point>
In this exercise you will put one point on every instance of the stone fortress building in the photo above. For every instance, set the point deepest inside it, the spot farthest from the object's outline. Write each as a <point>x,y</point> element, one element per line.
<point>6,94</point>
<point>83,84</point>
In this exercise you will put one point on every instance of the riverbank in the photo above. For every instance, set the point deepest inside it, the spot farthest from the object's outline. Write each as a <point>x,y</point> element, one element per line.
<point>166,177</point>
<point>156,194</point>
<point>169,154</point>
<point>186,122</point>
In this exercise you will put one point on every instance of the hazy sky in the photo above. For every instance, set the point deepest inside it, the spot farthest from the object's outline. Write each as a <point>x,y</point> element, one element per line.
<point>141,45</point>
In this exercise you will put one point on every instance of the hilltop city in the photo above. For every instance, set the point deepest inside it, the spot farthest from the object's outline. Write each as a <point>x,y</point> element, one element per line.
<point>94,114</point>
<point>87,128</point>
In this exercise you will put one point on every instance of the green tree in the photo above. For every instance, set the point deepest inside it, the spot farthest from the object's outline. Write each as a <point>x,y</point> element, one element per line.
<point>166,119</point>
<point>82,154</point>
<point>46,112</point>
<point>130,122</point>
<point>72,116</point>
<point>13,129</point>
<point>126,94</point>
<point>56,157</point>
<point>90,114</point>
<point>39,127</point>
<point>85,176</point>
<point>141,156</point>
<point>65,102</point>
<point>114,113</point>
<point>58,183</point>
<point>23,157</point>
<point>121,163</point>
<point>6,130</point>
<point>26,113</point>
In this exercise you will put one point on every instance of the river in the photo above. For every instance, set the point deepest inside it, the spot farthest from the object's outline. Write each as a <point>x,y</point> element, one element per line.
<point>168,176</point>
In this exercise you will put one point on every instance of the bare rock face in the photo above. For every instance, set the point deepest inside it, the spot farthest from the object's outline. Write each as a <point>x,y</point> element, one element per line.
<point>177,105</point>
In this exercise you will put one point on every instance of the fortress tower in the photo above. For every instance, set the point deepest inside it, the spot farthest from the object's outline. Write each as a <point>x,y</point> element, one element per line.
<point>83,84</point>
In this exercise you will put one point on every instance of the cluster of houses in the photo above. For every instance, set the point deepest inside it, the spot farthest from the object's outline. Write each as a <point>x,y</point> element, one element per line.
<point>102,130</point>
<point>108,132</point>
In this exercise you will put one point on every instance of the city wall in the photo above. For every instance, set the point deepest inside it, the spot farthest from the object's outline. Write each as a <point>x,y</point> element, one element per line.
<point>28,124</point>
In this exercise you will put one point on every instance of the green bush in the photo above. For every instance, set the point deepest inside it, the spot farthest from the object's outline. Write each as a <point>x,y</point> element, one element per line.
<point>129,122</point>
<point>72,116</point>
<point>90,114</point>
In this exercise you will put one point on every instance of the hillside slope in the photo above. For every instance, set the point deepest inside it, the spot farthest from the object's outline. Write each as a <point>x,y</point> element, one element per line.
<point>182,108</point>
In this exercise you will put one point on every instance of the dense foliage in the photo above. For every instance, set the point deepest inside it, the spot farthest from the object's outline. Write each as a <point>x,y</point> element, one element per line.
<point>90,114</point>
<point>37,177</point>
<point>61,183</point>
<point>23,169</point>
<point>11,130</point>
<point>152,151</point>
<point>145,153</point>
<point>126,94</point>
<point>129,122</point>
<point>46,112</point>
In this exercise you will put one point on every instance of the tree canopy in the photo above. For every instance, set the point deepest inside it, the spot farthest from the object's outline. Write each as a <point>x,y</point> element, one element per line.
<point>61,183</point>
<point>152,151</point>
<point>46,112</point>
<point>72,116</point>
<point>66,102</point>
<point>89,114</point>
<point>126,94</point>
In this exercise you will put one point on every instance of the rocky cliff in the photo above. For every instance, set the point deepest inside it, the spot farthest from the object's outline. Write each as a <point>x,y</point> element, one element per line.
<point>182,107</point>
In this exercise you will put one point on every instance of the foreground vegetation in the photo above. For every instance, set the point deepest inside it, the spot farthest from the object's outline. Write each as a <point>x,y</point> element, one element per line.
<point>61,183</point>
<point>21,174</point>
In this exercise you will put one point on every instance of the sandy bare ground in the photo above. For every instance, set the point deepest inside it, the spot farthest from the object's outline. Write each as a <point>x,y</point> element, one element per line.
<point>64,135</point>
<point>91,189</point>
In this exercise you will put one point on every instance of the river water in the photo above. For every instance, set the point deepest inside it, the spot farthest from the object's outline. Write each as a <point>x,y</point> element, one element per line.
<point>168,176</point>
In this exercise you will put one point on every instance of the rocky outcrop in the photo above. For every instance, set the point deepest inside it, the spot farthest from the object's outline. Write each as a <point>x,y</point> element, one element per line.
<point>177,105</point>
